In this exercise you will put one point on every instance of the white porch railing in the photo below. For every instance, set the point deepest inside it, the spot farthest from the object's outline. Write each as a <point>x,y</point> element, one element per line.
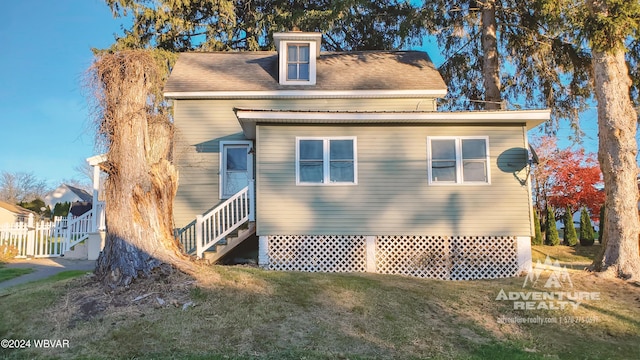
<point>78,229</point>
<point>216,224</point>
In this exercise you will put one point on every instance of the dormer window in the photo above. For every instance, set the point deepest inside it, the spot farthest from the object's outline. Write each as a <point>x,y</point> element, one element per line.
<point>297,53</point>
<point>298,62</point>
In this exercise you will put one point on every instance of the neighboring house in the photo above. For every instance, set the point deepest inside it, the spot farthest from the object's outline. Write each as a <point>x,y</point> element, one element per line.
<point>79,208</point>
<point>66,193</point>
<point>354,168</point>
<point>10,213</point>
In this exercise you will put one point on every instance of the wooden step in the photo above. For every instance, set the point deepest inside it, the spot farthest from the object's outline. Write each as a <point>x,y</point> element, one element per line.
<point>221,248</point>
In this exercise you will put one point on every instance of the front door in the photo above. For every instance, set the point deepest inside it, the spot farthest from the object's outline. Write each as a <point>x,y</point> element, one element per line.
<point>235,167</point>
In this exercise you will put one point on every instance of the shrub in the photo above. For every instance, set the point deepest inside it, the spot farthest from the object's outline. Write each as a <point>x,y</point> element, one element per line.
<point>570,235</point>
<point>7,252</point>
<point>586,229</point>
<point>552,237</point>
<point>537,239</point>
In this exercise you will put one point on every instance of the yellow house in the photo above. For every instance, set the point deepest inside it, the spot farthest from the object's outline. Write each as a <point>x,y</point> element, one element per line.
<point>10,213</point>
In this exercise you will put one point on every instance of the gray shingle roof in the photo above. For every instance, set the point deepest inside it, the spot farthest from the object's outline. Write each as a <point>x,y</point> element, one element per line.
<point>258,71</point>
<point>82,194</point>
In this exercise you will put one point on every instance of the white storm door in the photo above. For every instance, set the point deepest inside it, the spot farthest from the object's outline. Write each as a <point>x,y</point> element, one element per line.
<point>236,164</point>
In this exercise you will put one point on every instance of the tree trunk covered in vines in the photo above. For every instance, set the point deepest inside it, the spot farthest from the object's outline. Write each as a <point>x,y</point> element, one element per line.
<point>141,182</point>
<point>617,121</point>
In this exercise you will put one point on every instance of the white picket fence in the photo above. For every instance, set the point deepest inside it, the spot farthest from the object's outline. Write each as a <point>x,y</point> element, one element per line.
<point>47,238</point>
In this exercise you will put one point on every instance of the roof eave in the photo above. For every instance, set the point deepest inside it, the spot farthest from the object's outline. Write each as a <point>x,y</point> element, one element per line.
<point>292,94</point>
<point>250,118</point>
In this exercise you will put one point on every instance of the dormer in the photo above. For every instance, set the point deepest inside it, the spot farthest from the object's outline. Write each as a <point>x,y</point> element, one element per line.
<point>297,54</point>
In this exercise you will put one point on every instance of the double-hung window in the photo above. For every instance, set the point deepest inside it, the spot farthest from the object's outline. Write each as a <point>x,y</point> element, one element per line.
<point>458,160</point>
<point>298,62</point>
<point>326,161</point>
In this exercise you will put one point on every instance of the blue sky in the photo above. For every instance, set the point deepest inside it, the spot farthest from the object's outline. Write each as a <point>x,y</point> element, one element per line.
<point>46,48</point>
<point>44,116</point>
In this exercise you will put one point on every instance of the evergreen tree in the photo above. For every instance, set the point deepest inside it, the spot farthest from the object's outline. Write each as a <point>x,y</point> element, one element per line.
<point>552,238</point>
<point>223,25</point>
<point>586,229</point>
<point>61,209</point>
<point>611,30</point>
<point>537,239</point>
<point>497,50</point>
<point>36,205</point>
<point>570,236</point>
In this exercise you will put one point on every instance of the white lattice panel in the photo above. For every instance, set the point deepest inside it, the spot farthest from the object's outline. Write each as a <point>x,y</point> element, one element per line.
<point>447,257</point>
<point>326,253</point>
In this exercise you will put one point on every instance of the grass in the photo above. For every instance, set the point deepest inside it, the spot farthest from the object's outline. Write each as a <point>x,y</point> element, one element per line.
<point>576,257</point>
<point>248,313</point>
<point>10,273</point>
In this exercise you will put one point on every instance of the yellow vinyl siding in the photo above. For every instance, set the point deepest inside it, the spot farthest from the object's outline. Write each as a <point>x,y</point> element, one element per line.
<point>393,196</point>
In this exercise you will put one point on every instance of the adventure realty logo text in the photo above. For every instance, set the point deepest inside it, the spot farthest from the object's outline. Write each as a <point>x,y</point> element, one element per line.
<point>555,297</point>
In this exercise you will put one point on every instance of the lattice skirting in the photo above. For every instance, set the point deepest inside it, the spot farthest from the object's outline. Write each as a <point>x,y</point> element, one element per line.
<point>326,253</point>
<point>448,257</point>
<point>442,257</point>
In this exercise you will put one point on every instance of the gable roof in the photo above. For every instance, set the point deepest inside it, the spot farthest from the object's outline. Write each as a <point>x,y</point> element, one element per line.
<point>54,196</point>
<point>16,209</point>
<point>197,75</point>
<point>82,194</point>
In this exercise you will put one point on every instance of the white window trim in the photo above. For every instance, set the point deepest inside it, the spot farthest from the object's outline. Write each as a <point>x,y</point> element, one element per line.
<point>284,48</point>
<point>459,170</point>
<point>221,165</point>
<point>326,162</point>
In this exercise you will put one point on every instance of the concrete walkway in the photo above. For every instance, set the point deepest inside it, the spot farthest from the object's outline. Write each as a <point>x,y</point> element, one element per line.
<point>44,268</point>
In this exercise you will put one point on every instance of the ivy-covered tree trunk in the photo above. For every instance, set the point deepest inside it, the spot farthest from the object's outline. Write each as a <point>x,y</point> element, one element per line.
<point>141,182</point>
<point>617,121</point>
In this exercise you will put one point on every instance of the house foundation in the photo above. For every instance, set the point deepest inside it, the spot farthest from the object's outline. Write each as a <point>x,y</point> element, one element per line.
<point>441,257</point>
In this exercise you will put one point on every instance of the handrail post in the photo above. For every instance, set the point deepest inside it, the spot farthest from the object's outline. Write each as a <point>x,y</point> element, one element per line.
<point>67,238</point>
<point>95,196</point>
<point>252,200</point>
<point>199,236</point>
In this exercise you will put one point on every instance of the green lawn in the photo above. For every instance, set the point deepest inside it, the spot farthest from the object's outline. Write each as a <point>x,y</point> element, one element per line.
<point>8,274</point>
<point>248,313</point>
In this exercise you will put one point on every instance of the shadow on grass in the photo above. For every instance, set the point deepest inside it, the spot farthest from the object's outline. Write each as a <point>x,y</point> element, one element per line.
<point>611,313</point>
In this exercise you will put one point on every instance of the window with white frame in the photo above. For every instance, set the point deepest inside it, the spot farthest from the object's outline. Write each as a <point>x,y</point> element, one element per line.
<point>458,160</point>
<point>298,62</point>
<point>326,161</point>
